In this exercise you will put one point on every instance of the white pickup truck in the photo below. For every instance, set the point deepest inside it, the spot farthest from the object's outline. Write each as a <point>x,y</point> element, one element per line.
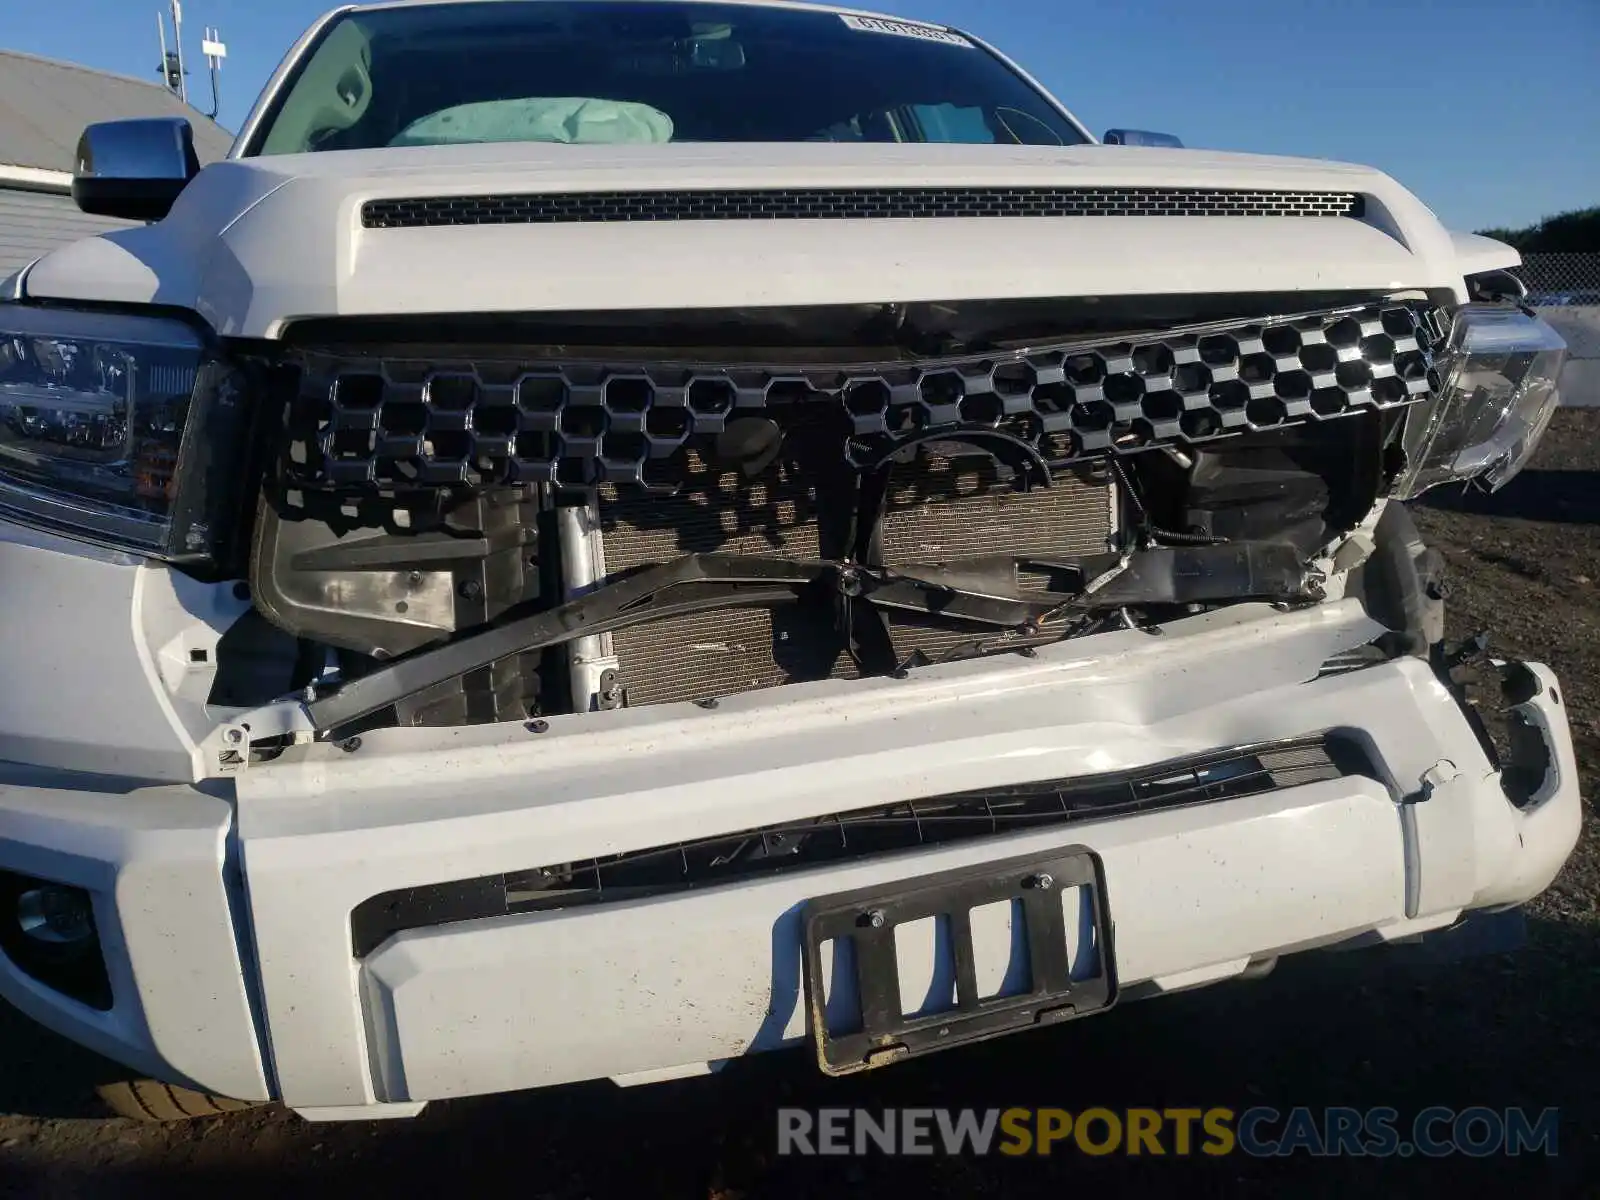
<point>607,537</point>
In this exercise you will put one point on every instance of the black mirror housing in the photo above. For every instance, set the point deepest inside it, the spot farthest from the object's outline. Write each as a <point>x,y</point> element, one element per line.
<point>1141,137</point>
<point>134,169</point>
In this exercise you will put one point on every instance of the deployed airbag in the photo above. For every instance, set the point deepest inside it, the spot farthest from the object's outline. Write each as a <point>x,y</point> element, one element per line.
<point>574,119</point>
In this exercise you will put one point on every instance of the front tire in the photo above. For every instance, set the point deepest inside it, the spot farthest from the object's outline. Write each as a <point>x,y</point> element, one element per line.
<point>152,1101</point>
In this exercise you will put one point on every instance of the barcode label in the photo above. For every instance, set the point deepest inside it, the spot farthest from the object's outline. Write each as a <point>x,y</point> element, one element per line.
<point>927,33</point>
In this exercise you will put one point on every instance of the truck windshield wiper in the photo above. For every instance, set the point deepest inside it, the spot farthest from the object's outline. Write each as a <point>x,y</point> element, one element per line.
<point>979,591</point>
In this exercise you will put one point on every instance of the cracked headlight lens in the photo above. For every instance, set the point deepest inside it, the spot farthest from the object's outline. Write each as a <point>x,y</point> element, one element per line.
<point>110,428</point>
<point>1500,387</point>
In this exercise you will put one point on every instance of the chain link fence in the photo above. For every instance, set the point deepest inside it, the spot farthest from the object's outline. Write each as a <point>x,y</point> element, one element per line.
<point>1565,288</point>
<point>1561,280</point>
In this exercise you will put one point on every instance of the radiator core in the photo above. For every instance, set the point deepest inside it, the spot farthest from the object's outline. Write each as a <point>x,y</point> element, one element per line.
<point>939,508</point>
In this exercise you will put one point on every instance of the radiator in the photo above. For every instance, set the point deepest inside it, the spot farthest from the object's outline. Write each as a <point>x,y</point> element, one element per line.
<point>939,508</point>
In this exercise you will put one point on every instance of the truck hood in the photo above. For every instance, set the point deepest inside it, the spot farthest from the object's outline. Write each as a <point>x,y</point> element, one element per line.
<point>255,244</point>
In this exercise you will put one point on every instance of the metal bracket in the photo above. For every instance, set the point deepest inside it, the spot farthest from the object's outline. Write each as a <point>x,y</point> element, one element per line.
<point>229,744</point>
<point>611,693</point>
<point>1435,777</point>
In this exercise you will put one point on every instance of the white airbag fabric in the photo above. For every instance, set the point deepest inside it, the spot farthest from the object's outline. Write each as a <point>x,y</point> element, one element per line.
<point>572,119</point>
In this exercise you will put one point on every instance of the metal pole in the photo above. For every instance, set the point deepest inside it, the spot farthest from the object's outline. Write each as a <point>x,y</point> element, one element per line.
<point>213,36</point>
<point>583,565</point>
<point>177,38</point>
<point>161,32</point>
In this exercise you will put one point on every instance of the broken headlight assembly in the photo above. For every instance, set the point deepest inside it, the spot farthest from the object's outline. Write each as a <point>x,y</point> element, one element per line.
<point>117,428</point>
<point>1500,377</point>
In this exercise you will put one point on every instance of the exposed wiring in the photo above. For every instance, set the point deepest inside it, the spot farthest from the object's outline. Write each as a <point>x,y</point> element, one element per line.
<point>1147,528</point>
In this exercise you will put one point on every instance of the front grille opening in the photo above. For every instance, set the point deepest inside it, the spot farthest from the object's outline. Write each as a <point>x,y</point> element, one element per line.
<point>864,833</point>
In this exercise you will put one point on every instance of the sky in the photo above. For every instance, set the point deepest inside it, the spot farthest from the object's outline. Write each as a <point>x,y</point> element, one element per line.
<point>1489,110</point>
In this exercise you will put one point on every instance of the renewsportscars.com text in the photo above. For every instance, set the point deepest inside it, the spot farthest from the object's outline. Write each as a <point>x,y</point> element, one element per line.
<point>1259,1131</point>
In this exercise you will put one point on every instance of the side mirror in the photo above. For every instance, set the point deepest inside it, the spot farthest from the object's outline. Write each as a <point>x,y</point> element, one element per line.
<point>134,169</point>
<point>1141,137</point>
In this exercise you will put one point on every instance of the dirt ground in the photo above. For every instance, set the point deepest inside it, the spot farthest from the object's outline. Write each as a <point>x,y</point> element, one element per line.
<point>1362,1029</point>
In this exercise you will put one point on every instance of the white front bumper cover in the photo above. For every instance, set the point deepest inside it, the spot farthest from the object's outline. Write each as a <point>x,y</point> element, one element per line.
<point>662,986</point>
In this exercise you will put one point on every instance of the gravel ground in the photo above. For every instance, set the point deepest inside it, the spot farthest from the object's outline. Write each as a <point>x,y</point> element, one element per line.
<point>1373,1028</point>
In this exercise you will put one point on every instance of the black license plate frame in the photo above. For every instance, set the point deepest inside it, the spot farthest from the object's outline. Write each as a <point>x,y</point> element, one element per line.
<point>868,917</point>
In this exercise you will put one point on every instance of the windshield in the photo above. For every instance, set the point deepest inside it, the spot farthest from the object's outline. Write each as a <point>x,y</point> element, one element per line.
<point>595,71</point>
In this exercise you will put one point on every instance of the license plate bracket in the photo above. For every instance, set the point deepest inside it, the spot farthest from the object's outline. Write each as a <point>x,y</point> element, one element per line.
<point>868,917</point>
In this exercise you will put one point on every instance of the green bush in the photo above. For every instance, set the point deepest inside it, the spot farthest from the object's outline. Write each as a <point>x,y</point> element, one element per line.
<point>1576,232</point>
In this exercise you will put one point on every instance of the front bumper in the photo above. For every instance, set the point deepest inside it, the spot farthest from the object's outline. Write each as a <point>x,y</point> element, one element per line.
<point>665,985</point>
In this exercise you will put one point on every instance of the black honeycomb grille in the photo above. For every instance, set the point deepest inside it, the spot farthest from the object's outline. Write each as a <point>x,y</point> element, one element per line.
<point>813,204</point>
<point>378,421</point>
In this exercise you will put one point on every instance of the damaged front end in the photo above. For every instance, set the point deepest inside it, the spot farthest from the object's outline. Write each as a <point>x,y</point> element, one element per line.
<point>1213,663</point>
<point>528,519</point>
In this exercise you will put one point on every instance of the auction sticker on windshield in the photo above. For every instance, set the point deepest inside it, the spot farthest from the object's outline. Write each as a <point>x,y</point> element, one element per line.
<point>904,29</point>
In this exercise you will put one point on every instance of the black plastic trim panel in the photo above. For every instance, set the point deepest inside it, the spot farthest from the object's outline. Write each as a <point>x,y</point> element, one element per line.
<point>852,835</point>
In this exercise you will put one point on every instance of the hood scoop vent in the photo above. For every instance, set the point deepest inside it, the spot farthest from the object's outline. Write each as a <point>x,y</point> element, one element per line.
<point>761,204</point>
